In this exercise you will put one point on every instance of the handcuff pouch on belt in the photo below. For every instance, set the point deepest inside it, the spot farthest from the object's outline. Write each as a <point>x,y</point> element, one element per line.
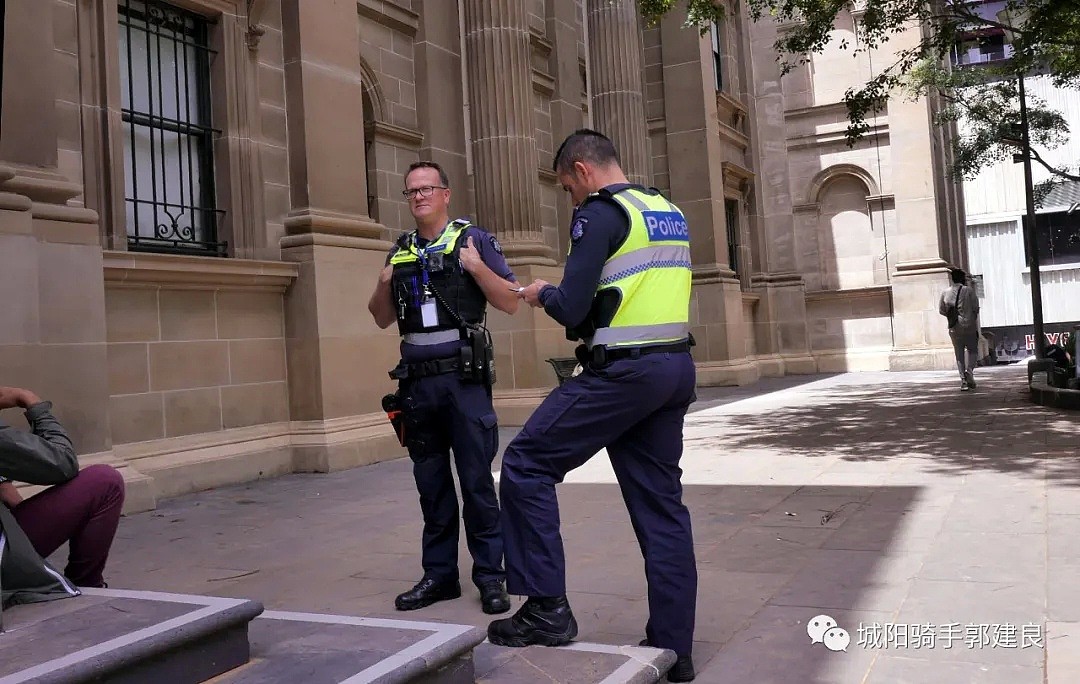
<point>477,357</point>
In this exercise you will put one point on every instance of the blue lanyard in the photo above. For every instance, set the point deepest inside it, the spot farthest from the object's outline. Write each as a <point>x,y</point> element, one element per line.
<point>422,253</point>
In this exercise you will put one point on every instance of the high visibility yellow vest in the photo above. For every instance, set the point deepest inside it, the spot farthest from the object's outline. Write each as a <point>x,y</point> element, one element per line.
<point>651,270</point>
<point>437,264</point>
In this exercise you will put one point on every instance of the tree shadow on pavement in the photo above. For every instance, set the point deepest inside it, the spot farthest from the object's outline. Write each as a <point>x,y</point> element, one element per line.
<point>919,416</point>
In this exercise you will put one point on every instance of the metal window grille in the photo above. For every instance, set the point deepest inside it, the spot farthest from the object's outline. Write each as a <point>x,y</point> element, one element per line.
<point>168,142</point>
<point>731,217</point>
<point>717,53</point>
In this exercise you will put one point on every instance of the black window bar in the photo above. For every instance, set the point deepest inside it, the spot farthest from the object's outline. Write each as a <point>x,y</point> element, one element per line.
<point>169,156</point>
<point>731,217</point>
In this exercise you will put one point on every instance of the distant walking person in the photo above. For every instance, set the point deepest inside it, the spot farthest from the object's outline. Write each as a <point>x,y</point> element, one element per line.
<point>960,306</point>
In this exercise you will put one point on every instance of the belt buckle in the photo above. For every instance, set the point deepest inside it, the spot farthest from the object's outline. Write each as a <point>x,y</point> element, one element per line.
<point>599,355</point>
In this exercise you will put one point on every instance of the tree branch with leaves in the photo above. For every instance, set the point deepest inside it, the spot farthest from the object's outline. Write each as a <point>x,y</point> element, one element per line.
<point>1045,38</point>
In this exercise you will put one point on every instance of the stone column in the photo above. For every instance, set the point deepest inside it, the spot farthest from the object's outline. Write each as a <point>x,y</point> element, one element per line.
<point>337,356</point>
<point>325,107</point>
<point>921,339</point>
<point>615,63</point>
<point>504,137</point>
<point>781,321</point>
<point>52,320</point>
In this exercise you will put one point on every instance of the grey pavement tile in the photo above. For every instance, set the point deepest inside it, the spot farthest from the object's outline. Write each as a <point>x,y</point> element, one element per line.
<point>1062,652</point>
<point>743,500</point>
<point>905,498</point>
<point>1014,512</point>
<point>775,649</point>
<point>815,511</point>
<point>891,669</point>
<point>1001,609</point>
<point>876,528</point>
<point>1063,592</point>
<point>1063,537</point>
<point>857,493</point>
<point>607,613</point>
<point>703,652</point>
<point>982,557</point>
<point>766,549</point>
<point>850,580</point>
<point>1063,499</point>
<point>727,601</point>
<point>540,664</point>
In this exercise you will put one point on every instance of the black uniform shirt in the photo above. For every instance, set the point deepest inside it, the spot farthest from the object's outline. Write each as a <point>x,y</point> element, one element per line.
<point>597,230</point>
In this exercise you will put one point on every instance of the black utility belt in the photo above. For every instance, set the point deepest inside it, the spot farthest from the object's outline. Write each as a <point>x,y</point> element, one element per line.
<point>600,355</point>
<point>474,362</point>
<point>423,369</point>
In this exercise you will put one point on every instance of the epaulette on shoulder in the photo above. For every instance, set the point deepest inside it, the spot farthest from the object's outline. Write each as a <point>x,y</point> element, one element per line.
<point>603,194</point>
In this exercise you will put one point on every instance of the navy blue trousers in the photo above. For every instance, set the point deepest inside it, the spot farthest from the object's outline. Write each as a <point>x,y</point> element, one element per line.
<point>635,408</point>
<point>452,414</point>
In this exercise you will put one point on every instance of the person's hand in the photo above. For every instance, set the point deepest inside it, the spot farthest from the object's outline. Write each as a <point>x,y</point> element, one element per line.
<point>386,274</point>
<point>469,256</point>
<point>531,294</point>
<point>9,494</point>
<point>10,397</point>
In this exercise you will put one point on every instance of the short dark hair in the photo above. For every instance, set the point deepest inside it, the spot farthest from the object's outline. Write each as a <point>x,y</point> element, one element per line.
<point>584,145</point>
<point>443,178</point>
<point>958,276</point>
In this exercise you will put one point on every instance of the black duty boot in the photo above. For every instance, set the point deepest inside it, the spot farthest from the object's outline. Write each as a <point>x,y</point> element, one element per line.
<point>539,621</point>
<point>427,591</point>
<point>681,671</point>
<point>494,598</point>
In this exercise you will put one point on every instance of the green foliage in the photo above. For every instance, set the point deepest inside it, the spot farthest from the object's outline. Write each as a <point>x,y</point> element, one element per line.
<point>699,13</point>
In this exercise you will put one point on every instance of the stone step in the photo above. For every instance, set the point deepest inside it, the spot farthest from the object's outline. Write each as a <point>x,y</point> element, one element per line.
<point>339,649</point>
<point>579,662</point>
<point>125,637</point>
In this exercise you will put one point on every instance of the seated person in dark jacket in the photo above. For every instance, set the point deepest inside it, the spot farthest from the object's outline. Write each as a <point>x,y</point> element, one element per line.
<point>82,508</point>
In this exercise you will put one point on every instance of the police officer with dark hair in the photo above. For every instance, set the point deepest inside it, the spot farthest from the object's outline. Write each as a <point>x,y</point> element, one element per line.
<point>436,285</point>
<point>625,294</point>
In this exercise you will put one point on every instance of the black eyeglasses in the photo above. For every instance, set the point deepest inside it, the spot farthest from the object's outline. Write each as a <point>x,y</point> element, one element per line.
<point>424,191</point>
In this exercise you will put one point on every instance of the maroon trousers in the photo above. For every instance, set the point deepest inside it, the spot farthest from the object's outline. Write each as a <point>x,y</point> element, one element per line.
<point>84,511</point>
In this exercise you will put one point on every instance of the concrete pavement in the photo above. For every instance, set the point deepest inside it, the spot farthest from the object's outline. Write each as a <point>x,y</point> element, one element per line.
<point>938,528</point>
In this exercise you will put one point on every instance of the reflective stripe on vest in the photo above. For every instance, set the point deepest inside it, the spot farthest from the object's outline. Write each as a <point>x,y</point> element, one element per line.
<point>651,269</point>
<point>443,244</point>
<point>427,339</point>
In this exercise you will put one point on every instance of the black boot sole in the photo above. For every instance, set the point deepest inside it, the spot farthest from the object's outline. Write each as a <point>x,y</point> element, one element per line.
<point>537,638</point>
<point>424,603</point>
<point>494,610</point>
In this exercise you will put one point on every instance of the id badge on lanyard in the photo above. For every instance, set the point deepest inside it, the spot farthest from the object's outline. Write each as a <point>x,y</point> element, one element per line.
<point>429,314</point>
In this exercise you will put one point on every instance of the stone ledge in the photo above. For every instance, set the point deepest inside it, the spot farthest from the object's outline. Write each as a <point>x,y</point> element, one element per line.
<point>125,636</point>
<point>727,373</point>
<point>139,269</point>
<point>1055,397</point>
<point>429,648</point>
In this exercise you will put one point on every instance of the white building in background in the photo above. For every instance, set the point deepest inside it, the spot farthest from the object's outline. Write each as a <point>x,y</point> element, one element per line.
<point>997,253</point>
<point>995,207</point>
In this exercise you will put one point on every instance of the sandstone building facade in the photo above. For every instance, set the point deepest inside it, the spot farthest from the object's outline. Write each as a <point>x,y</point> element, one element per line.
<point>196,197</point>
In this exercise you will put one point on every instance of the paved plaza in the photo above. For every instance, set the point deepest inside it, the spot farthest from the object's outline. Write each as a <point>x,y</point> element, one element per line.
<point>939,529</point>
